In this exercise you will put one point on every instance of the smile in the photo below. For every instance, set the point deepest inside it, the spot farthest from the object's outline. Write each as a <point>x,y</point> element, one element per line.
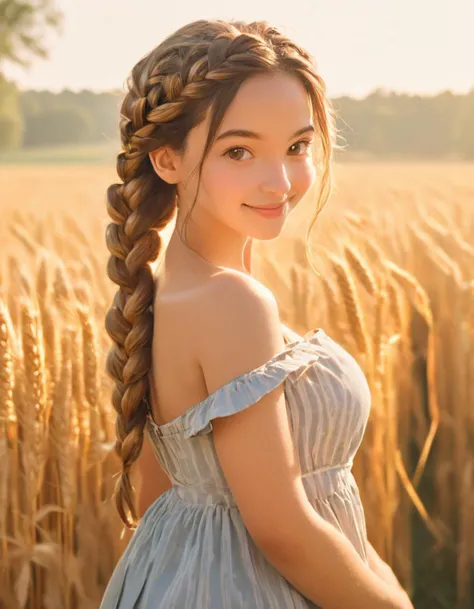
<point>269,212</point>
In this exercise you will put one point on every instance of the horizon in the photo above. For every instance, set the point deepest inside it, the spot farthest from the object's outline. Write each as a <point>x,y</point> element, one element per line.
<point>360,98</point>
<point>433,58</point>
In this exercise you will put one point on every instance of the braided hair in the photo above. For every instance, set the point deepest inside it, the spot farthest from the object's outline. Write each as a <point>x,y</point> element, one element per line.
<point>169,91</point>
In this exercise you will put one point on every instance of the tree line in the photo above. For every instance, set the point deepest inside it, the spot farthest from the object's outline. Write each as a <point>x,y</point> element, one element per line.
<point>384,124</point>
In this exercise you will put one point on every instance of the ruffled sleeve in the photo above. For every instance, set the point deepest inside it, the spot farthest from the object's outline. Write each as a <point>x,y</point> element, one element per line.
<point>249,388</point>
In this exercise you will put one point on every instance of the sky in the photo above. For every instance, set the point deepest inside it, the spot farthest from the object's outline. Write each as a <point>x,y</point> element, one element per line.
<point>410,46</point>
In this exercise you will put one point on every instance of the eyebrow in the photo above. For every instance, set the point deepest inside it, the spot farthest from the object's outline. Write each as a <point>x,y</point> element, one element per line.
<point>257,136</point>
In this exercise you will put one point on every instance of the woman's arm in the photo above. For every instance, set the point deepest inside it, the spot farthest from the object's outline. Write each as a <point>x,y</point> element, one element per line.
<point>256,450</point>
<point>380,567</point>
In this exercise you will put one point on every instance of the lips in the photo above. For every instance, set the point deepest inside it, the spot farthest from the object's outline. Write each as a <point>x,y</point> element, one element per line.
<point>269,212</point>
<point>270,208</point>
<point>267,208</point>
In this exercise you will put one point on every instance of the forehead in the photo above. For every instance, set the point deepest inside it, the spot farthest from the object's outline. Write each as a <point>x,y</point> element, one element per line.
<point>269,101</point>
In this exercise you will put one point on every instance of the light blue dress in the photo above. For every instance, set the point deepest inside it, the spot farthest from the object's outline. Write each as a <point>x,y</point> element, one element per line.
<point>191,549</point>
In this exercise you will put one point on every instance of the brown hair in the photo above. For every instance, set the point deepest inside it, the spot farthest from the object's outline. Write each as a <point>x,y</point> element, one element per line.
<point>200,66</point>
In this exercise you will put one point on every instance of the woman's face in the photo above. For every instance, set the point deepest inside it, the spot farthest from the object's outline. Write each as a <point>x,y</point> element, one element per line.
<point>241,172</point>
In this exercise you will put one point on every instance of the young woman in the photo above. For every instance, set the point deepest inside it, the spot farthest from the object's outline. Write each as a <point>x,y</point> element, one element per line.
<point>226,124</point>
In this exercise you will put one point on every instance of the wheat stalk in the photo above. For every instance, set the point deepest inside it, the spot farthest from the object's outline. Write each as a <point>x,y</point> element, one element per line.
<point>8,429</point>
<point>63,294</point>
<point>7,410</point>
<point>413,288</point>
<point>25,238</point>
<point>396,307</point>
<point>352,306</point>
<point>361,269</point>
<point>421,302</point>
<point>64,427</point>
<point>97,449</point>
<point>34,422</point>
<point>331,305</point>
<point>380,333</point>
<point>299,291</point>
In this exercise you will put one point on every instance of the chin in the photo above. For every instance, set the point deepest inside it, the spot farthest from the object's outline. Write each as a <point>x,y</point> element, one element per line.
<point>271,231</point>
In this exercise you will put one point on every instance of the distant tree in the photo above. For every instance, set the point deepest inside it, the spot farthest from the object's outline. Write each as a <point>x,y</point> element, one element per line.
<point>102,110</point>
<point>389,124</point>
<point>22,25</point>
<point>53,126</point>
<point>11,120</point>
<point>465,126</point>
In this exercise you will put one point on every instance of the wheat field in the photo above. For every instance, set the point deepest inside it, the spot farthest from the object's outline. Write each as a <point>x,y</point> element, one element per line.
<point>391,278</point>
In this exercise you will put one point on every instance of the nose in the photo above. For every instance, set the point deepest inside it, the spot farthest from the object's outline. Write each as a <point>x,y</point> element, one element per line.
<point>276,180</point>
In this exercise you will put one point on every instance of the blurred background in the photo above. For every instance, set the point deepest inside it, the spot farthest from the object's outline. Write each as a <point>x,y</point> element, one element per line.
<point>391,276</point>
<point>400,73</point>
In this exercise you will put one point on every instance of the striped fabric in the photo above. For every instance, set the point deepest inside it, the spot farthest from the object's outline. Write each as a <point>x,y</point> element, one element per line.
<point>191,549</point>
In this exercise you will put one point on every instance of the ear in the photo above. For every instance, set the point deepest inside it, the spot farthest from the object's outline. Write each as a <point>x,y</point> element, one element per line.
<point>166,164</point>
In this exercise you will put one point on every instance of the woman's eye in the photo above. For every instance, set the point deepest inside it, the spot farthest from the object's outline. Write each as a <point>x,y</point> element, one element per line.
<point>304,143</point>
<point>233,150</point>
<point>238,157</point>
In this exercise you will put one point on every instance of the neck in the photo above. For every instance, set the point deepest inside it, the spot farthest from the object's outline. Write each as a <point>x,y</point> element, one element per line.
<point>232,251</point>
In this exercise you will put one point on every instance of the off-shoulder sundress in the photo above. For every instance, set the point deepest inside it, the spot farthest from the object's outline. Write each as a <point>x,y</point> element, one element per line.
<point>191,549</point>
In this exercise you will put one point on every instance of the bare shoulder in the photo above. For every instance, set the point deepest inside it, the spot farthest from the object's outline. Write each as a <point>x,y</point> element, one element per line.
<point>240,328</point>
<point>254,445</point>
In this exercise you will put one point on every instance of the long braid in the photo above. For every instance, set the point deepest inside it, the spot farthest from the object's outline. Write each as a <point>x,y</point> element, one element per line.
<point>169,92</point>
<point>133,244</point>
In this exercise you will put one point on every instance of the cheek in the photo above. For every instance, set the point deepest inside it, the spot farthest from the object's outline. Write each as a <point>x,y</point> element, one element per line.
<point>225,187</point>
<point>222,177</point>
<point>304,176</point>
